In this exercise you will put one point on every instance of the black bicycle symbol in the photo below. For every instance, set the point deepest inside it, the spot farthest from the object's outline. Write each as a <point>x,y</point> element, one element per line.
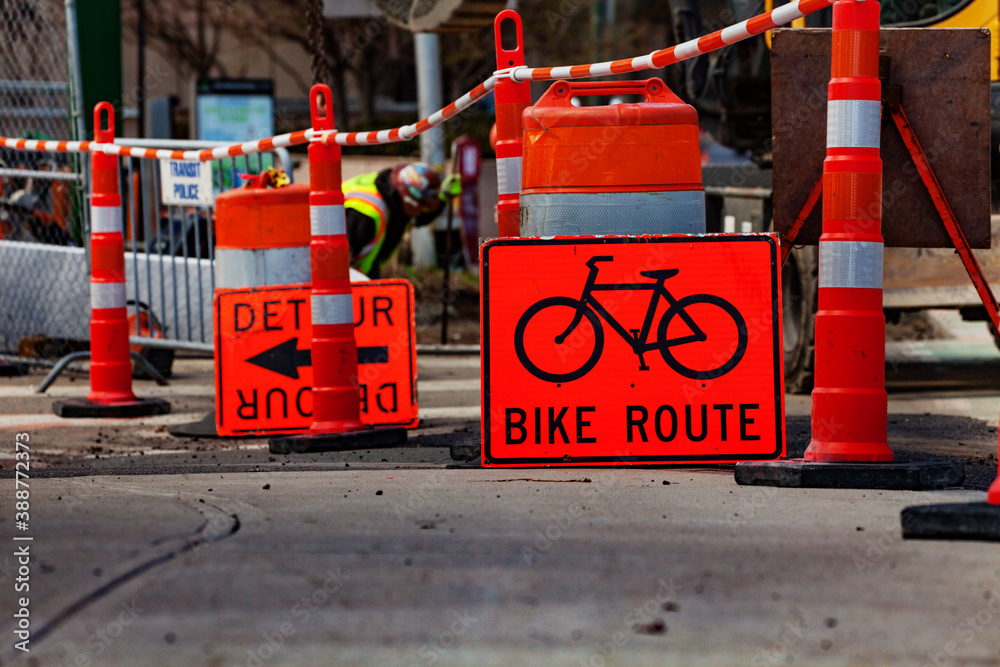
<point>588,306</point>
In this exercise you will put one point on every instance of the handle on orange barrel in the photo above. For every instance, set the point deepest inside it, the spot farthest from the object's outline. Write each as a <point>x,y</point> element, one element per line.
<point>561,93</point>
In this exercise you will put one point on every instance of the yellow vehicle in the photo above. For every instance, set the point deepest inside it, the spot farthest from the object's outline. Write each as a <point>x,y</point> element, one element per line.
<point>731,89</point>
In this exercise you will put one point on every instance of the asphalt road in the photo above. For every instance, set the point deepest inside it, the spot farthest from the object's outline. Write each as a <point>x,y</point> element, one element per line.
<point>149,549</point>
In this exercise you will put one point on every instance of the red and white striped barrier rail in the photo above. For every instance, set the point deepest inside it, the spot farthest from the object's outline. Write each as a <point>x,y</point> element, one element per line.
<point>204,155</point>
<point>655,60</point>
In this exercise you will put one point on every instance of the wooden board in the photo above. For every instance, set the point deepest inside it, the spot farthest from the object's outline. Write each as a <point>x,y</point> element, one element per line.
<point>945,79</point>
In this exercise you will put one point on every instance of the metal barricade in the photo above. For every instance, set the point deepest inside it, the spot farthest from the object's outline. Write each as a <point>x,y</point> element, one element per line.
<point>170,250</point>
<point>41,194</point>
<point>169,265</point>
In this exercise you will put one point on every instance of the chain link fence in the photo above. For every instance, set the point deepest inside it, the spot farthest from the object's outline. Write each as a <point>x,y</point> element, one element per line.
<point>42,207</point>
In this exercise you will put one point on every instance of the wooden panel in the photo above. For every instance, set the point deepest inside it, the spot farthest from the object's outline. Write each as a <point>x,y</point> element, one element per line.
<point>945,78</point>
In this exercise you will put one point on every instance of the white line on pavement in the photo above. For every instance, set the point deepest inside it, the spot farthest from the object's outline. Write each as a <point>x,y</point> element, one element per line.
<point>444,361</point>
<point>81,390</point>
<point>431,386</point>
<point>35,421</point>
<point>466,412</point>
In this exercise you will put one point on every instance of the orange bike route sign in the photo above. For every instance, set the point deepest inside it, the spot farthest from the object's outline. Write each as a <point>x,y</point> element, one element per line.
<point>631,350</point>
<point>263,357</point>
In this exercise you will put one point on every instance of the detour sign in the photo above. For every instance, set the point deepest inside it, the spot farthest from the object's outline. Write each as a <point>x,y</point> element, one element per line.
<point>631,350</point>
<point>263,374</point>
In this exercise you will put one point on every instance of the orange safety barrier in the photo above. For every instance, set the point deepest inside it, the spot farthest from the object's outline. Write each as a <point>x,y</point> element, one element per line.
<point>262,236</point>
<point>849,401</point>
<point>631,168</point>
<point>110,359</point>
<point>261,259</point>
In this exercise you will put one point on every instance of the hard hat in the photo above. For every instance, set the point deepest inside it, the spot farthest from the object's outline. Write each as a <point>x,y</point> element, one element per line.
<point>418,185</point>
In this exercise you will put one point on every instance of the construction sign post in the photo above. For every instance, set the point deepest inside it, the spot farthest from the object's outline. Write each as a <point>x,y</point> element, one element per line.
<point>628,350</point>
<point>264,358</point>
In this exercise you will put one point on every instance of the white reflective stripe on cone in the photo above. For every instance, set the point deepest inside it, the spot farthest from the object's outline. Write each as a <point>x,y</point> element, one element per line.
<point>853,123</point>
<point>236,267</point>
<point>107,295</point>
<point>509,175</point>
<point>332,309</point>
<point>327,220</point>
<point>854,264</point>
<point>105,219</point>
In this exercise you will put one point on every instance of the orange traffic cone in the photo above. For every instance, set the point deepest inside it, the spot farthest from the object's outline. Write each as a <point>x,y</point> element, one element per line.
<point>336,404</point>
<point>110,359</point>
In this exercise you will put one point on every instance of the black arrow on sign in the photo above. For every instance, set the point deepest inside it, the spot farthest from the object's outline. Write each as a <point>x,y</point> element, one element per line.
<point>285,358</point>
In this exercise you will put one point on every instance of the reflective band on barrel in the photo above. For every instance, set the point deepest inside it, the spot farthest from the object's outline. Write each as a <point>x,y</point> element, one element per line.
<point>628,213</point>
<point>105,219</point>
<point>327,220</point>
<point>332,309</point>
<point>853,123</point>
<point>509,175</point>
<point>856,264</point>
<point>107,295</point>
<point>235,267</point>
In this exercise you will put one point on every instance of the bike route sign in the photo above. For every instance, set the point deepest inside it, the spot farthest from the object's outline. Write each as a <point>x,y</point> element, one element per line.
<point>631,350</point>
<point>263,354</point>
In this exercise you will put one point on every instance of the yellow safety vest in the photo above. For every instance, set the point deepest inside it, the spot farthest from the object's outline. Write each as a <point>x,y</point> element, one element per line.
<point>361,195</point>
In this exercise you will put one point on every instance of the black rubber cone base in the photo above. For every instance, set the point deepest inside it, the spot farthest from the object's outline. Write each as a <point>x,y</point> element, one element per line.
<point>8,369</point>
<point>76,408</point>
<point>199,429</point>
<point>894,476</point>
<point>369,438</point>
<point>957,521</point>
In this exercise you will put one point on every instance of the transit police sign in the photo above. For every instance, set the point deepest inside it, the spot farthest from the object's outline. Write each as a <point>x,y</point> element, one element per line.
<point>184,183</point>
<point>631,350</point>
<point>263,375</point>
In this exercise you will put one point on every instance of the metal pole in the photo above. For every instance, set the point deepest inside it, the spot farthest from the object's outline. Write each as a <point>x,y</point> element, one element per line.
<point>446,283</point>
<point>76,113</point>
<point>429,100</point>
<point>76,77</point>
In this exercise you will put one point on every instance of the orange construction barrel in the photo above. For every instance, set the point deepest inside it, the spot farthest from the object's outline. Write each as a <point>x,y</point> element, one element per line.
<point>631,168</point>
<point>262,236</point>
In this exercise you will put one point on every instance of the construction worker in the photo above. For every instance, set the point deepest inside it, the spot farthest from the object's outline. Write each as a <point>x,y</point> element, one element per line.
<point>380,207</point>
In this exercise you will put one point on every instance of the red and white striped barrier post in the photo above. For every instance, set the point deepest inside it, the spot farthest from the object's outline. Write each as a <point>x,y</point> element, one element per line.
<point>110,359</point>
<point>511,100</point>
<point>849,447</point>
<point>334,353</point>
<point>849,402</point>
<point>336,403</point>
